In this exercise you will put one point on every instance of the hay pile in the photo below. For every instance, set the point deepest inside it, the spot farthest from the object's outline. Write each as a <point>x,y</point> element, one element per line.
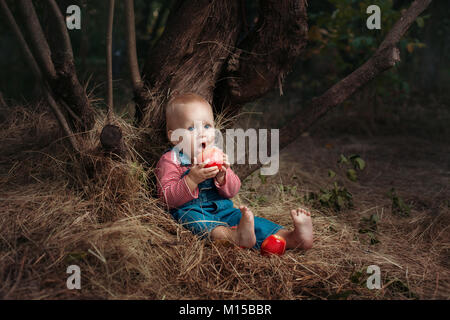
<point>54,214</point>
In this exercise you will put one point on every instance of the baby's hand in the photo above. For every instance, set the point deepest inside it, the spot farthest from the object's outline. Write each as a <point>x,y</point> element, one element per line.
<point>220,178</point>
<point>199,173</point>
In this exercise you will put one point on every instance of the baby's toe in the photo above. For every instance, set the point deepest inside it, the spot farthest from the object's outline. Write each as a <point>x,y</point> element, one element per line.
<point>294,214</point>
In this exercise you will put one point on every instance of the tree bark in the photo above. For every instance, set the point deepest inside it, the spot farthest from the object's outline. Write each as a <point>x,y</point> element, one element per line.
<point>190,53</point>
<point>109,31</point>
<point>39,45</point>
<point>136,80</point>
<point>66,86</point>
<point>264,57</point>
<point>198,53</point>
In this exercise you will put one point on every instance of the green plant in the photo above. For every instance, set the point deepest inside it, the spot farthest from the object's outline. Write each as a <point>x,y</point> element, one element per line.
<point>136,170</point>
<point>398,206</point>
<point>357,277</point>
<point>292,190</point>
<point>368,225</point>
<point>336,198</point>
<point>262,178</point>
<point>353,162</point>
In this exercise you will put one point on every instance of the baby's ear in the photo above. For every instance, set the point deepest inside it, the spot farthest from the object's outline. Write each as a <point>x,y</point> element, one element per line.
<point>169,135</point>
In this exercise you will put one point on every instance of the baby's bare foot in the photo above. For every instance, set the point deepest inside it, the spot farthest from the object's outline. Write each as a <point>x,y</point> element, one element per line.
<point>303,229</point>
<point>246,229</point>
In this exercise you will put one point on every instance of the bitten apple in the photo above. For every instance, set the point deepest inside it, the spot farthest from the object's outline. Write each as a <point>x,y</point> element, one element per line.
<point>273,244</point>
<point>212,156</point>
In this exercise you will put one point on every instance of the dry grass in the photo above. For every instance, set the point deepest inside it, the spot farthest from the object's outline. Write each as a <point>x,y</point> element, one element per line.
<point>54,213</point>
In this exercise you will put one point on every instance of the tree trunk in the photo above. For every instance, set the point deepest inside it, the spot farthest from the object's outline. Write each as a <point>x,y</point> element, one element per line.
<point>198,52</point>
<point>189,54</point>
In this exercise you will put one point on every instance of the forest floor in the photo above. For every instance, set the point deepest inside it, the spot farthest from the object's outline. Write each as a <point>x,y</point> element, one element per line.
<point>411,248</point>
<point>127,246</point>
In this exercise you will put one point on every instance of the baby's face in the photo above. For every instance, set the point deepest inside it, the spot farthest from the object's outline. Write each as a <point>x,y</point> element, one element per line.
<point>197,121</point>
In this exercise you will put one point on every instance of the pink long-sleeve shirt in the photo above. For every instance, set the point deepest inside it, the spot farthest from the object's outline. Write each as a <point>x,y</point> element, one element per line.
<point>173,189</point>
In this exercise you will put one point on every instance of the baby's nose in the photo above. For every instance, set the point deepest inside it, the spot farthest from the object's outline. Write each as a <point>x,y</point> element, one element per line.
<point>201,132</point>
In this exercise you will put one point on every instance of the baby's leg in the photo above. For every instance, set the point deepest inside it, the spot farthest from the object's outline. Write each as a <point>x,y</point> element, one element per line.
<point>302,235</point>
<point>243,235</point>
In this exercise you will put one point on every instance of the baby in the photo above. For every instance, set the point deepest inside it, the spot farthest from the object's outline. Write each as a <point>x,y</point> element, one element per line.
<point>198,197</point>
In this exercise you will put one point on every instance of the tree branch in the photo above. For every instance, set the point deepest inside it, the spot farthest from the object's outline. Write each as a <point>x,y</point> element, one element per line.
<point>110,96</point>
<point>131,46</point>
<point>37,73</point>
<point>386,56</point>
<point>66,86</point>
<point>62,46</point>
<point>38,41</point>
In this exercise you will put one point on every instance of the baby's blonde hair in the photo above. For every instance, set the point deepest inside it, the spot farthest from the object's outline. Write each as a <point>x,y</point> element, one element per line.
<point>178,101</point>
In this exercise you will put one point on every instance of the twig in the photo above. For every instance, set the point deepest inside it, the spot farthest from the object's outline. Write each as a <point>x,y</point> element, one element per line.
<point>110,98</point>
<point>131,46</point>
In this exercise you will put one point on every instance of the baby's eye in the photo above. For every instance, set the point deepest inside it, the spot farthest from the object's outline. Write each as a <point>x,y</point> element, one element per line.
<point>191,128</point>
<point>207,126</point>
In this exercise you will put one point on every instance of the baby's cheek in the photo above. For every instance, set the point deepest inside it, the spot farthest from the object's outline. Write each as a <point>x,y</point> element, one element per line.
<point>211,134</point>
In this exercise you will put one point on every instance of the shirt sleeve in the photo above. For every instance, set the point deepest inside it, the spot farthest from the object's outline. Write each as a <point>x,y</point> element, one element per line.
<point>231,185</point>
<point>172,189</point>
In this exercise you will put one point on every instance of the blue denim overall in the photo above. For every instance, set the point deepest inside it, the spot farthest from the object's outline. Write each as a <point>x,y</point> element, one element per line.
<point>210,209</point>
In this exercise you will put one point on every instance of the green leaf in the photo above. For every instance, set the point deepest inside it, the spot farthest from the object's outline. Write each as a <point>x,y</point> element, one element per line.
<point>342,159</point>
<point>359,163</point>
<point>351,174</point>
<point>398,205</point>
<point>331,173</point>
<point>374,217</point>
<point>262,178</point>
<point>340,202</point>
<point>420,22</point>
<point>325,197</point>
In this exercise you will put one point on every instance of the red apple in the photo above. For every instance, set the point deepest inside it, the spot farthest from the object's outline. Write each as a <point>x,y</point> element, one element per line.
<point>212,156</point>
<point>273,244</point>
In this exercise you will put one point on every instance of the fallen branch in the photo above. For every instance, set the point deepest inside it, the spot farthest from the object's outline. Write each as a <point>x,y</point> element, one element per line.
<point>386,56</point>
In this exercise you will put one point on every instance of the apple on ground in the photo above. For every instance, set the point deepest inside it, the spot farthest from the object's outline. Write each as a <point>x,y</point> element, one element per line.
<point>273,244</point>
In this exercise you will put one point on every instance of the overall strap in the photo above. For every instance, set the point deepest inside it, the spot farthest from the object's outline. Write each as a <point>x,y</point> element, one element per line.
<point>185,173</point>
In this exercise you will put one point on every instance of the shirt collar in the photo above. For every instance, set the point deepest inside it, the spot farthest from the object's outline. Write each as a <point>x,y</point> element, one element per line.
<point>182,158</point>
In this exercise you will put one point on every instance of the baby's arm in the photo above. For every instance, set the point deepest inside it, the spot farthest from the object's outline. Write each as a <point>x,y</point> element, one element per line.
<point>172,189</point>
<point>230,185</point>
